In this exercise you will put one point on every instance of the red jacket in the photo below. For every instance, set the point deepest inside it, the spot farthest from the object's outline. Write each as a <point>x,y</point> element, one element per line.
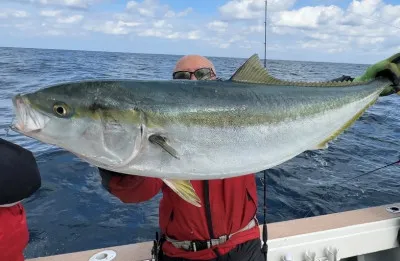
<point>232,205</point>
<point>14,234</point>
<point>19,179</point>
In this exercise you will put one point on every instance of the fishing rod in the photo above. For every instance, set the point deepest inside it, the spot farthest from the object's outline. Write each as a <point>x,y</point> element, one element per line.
<point>265,230</point>
<point>265,34</point>
<point>355,177</point>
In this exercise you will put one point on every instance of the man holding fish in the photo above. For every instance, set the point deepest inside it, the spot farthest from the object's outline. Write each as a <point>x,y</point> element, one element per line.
<point>229,205</point>
<point>197,141</point>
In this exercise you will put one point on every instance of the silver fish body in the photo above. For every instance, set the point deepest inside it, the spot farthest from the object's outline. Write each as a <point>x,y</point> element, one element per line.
<point>218,129</point>
<point>191,130</point>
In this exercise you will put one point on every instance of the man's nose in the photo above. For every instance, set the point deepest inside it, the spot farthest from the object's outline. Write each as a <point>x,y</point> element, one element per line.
<point>192,77</point>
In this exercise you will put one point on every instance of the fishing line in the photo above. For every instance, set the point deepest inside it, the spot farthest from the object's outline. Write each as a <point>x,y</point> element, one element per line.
<point>369,172</point>
<point>9,128</point>
<point>355,177</point>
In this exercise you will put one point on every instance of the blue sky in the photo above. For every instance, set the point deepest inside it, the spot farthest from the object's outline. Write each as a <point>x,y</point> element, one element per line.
<point>318,30</point>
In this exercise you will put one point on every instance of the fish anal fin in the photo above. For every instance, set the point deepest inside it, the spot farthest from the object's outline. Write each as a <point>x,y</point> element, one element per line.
<point>252,72</point>
<point>185,190</point>
<point>162,142</point>
<point>324,143</point>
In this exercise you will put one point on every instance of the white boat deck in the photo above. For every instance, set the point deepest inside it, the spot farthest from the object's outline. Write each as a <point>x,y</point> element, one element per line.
<point>364,235</point>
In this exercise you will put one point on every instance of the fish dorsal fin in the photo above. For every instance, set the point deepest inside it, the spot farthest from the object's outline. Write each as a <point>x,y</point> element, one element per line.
<point>252,72</point>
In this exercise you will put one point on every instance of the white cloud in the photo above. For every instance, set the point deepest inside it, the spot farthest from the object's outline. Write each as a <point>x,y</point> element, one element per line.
<point>391,13</point>
<point>53,32</point>
<point>158,33</point>
<point>252,9</point>
<point>333,29</point>
<point>370,40</point>
<point>224,43</point>
<point>364,7</point>
<point>50,13</point>
<point>20,14</point>
<point>162,24</point>
<point>147,8</point>
<point>12,13</point>
<point>128,24</point>
<point>70,19</point>
<point>246,44</point>
<point>320,36</point>
<point>256,28</point>
<point>217,26</point>
<point>148,18</point>
<point>111,27</point>
<point>237,27</point>
<point>169,34</point>
<point>310,16</point>
<point>131,5</point>
<point>76,4</point>
<point>193,35</point>
<point>185,12</point>
<point>153,9</point>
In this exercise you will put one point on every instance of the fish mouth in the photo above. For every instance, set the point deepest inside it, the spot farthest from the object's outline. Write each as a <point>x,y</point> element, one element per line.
<point>27,119</point>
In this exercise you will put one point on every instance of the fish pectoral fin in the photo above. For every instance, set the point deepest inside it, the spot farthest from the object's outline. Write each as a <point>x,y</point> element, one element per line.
<point>162,142</point>
<point>185,190</point>
<point>252,72</point>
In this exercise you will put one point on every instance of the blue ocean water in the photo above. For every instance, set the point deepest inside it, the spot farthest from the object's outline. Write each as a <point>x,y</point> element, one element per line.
<point>72,212</point>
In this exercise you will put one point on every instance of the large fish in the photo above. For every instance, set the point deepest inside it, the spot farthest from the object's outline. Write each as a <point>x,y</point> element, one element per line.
<point>194,130</point>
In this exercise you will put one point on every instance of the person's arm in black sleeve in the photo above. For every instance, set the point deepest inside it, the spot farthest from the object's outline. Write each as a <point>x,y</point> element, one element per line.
<point>19,173</point>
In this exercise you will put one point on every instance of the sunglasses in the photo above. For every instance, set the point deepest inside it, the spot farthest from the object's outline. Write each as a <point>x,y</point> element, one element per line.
<point>200,74</point>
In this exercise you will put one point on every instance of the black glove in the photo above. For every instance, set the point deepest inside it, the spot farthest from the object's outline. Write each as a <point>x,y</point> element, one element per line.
<point>388,68</point>
<point>19,173</point>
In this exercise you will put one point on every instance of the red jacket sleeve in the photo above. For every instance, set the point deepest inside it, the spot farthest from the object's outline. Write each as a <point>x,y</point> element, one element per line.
<point>14,234</point>
<point>130,188</point>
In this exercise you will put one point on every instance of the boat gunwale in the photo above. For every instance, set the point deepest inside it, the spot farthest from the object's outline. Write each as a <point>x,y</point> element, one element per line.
<point>276,231</point>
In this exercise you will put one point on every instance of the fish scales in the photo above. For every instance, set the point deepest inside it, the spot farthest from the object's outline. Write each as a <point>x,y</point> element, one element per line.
<point>194,130</point>
<point>220,129</point>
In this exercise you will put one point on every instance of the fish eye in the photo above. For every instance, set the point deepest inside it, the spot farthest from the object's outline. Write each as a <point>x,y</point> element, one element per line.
<point>60,109</point>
